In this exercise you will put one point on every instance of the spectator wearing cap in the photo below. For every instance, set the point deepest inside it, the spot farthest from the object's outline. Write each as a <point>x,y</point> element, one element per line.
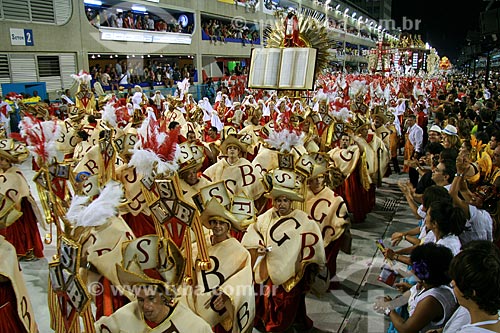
<point>435,134</point>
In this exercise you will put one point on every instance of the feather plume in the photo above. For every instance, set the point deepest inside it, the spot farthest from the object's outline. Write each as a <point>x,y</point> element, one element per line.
<point>144,161</point>
<point>183,87</point>
<point>99,210</point>
<point>109,115</point>
<point>82,77</point>
<point>156,148</point>
<point>78,204</point>
<point>41,137</point>
<point>343,114</point>
<point>357,87</point>
<point>284,140</point>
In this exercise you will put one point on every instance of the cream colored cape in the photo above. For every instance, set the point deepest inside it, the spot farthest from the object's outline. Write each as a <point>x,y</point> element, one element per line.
<point>377,157</point>
<point>241,178</point>
<point>345,159</point>
<point>231,274</point>
<point>9,268</point>
<point>131,180</point>
<point>294,241</point>
<point>15,187</point>
<point>175,115</point>
<point>103,247</point>
<point>67,137</point>
<point>329,211</point>
<point>384,134</point>
<point>129,319</point>
<point>80,151</point>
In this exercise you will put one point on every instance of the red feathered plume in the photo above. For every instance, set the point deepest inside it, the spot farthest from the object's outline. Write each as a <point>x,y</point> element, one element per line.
<point>167,149</point>
<point>159,141</point>
<point>40,136</point>
<point>122,116</point>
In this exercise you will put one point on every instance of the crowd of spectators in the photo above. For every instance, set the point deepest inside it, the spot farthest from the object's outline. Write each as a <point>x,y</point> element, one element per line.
<point>339,25</point>
<point>143,72</point>
<point>223,32</point>
<point>130,20</point>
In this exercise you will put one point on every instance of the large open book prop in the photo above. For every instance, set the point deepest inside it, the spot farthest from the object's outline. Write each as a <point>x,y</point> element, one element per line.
<point>282,68</point>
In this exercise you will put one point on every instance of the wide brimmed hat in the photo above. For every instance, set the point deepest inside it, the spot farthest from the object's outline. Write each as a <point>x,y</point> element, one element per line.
<point>232,140</point>
<point>450,130</point>
<point>187,159</point>
<point>283,183</point>
<point>243,209</point>
<point>319,170</point>
<point>132,271</point>
<point>360,127</point>
<point>435,128</point>
<point>9,157</point>
<point>378,112</point>
<point>215,211</point>
<point>13,151</point>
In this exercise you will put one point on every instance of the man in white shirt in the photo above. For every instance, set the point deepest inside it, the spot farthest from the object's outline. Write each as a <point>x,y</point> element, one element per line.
<point>413,146</point>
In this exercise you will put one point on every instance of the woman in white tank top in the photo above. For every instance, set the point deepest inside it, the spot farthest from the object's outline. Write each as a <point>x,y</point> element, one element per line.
<point>431,302</point>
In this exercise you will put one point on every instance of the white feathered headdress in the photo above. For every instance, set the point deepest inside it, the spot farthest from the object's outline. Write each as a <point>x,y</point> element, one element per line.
<point>343,114</point>
<point>156,151</point>
<point>41,137</point>
<point>357,87</point>
<point>115,116</point>
<point>83,214</point>
<point>285,140</point>
<point>82,77</point>
<point>284,136</point>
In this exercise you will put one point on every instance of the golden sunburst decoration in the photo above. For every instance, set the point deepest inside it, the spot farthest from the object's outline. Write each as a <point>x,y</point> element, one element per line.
<point>312,33</point>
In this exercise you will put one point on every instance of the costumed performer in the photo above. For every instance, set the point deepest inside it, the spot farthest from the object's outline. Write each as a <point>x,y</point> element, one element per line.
<point>287,249</point>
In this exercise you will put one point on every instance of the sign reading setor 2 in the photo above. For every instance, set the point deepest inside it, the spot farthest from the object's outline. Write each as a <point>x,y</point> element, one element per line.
<point>22,37</point>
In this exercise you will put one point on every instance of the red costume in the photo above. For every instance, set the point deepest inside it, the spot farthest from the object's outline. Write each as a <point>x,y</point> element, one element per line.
<point>291,31</point>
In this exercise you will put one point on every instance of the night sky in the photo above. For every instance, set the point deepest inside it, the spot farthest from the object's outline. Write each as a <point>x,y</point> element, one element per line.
<point>444,24</point>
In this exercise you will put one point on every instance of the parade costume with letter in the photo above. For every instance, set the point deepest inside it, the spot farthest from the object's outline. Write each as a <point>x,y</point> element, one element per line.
<point>23,233</point>
<point>294,242</point>
<point>330,212</point>
<point>15,306</point>
<point>231,274</point>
